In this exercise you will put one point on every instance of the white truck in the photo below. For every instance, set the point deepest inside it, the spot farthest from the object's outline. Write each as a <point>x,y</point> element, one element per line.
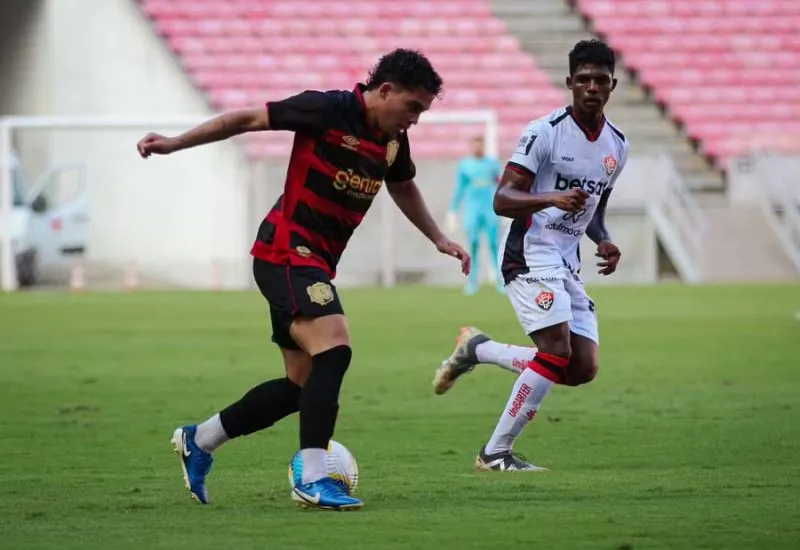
<point>49,221</point>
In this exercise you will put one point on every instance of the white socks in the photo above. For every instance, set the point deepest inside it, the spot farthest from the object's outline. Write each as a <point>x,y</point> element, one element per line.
<point>210,434</point>
<point>529,391</point>
<point>513,358</point>
<point>314,466</point>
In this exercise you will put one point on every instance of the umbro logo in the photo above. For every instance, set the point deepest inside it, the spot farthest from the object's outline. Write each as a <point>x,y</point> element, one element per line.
<point>350,142</point>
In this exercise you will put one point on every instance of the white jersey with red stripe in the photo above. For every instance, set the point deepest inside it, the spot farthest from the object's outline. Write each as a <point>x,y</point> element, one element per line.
<point>560,154</point>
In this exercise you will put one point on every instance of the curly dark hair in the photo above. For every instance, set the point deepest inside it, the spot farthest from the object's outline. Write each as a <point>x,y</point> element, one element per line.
<point>407,68</point>
<point>595,52</point>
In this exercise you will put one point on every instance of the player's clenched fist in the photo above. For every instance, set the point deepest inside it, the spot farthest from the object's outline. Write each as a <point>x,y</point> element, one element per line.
<point>572,200</point>
<point>155,144</point>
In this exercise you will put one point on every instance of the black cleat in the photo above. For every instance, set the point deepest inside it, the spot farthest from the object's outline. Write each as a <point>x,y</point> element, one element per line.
<point>504,462</point>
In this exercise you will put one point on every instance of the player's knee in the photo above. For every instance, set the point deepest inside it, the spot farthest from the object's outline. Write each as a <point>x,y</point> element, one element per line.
<point>587,374</point>
<point>554,340</point>
<point>556,346</point>
<point>336,358</point>
<point>582,372</point>
<point>329,367</point>
<point>298,377</point>
<point>298,366</point>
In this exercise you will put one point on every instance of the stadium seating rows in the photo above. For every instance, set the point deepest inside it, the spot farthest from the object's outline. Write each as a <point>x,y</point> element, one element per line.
<point>726,70</point>
<point>242,52</point>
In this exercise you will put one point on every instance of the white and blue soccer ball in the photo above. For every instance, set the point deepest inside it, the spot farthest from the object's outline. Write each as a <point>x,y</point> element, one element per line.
<point>341,464</point>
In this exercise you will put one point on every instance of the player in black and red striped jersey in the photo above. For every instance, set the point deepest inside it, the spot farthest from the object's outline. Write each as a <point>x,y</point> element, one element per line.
<point>347,143</point>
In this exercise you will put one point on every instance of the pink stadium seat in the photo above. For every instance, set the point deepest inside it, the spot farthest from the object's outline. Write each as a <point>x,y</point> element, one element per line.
<point>185,45</point>
<point>657,43</point>
<point>244,52</point>
<point>447,26</point>
<point>734,59</point>
<point>721,67</point>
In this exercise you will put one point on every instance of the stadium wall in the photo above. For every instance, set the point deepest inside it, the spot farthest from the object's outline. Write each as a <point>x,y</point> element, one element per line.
<point>189,220</point>
<point>103,58</point>
<point>25,83</point>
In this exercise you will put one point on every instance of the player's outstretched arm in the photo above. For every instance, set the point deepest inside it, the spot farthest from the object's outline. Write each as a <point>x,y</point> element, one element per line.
<point>409,200</point>
<point>513,198</point>
<point>218,128</point>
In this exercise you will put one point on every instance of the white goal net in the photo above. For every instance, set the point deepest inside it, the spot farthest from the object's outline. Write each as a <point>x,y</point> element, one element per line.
<point>80,209</point>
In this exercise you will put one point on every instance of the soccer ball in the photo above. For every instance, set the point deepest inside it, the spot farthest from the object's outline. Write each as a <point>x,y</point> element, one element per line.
<point>341,464</point>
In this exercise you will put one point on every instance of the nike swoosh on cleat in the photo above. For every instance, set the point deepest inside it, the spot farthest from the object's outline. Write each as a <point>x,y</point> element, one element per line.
<point>497,462</point>
<point>304,496</point>
<point>186,451</point>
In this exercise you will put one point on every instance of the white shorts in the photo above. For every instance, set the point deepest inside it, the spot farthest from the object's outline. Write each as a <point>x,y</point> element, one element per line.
<point>541,301</point>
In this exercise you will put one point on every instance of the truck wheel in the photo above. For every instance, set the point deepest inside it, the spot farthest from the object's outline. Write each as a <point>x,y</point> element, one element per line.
<point>28,270</point>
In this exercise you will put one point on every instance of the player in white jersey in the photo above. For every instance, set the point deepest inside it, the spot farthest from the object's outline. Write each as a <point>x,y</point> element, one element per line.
<point>555,187</point>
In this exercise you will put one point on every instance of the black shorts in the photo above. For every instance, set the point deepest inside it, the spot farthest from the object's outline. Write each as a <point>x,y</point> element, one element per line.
<point>292,292</point>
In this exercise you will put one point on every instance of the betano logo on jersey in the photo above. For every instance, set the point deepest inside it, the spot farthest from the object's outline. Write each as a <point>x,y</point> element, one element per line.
<point>359,186</point>
<point>565,183</point>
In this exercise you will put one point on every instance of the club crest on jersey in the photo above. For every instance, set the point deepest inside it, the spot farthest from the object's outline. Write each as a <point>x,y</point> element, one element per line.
<point>320,293</point>
<point>545,300</point>
<point>391,151</point>
<point>610,164</point>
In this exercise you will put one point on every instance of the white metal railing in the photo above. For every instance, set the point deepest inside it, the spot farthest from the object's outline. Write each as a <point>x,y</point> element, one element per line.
<point>679,221</point>
<point>780,204</point>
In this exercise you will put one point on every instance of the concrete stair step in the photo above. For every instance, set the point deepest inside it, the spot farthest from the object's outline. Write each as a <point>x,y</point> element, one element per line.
<point>542,26</point>
<point>740,245</point>
<point>515,7</point>
<point>548,29</point>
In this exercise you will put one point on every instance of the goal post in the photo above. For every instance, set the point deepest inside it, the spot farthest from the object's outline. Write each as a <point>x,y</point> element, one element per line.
<point>10,125</point>
<point>389,215</point>
<point>8,272</point>
<point>108,144</point>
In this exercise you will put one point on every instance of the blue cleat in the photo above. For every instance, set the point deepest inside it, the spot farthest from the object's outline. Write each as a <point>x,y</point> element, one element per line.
<point>195,462</point>
<point>324,494</point>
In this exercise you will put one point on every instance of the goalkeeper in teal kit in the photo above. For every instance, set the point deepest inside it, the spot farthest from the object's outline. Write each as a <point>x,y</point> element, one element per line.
<point>476,183</point>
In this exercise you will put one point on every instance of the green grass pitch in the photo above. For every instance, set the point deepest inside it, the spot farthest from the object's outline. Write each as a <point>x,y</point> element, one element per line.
<point>689,438</point>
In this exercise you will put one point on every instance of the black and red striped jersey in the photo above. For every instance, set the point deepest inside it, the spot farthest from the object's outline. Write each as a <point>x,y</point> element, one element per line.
<point>337,166</point>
